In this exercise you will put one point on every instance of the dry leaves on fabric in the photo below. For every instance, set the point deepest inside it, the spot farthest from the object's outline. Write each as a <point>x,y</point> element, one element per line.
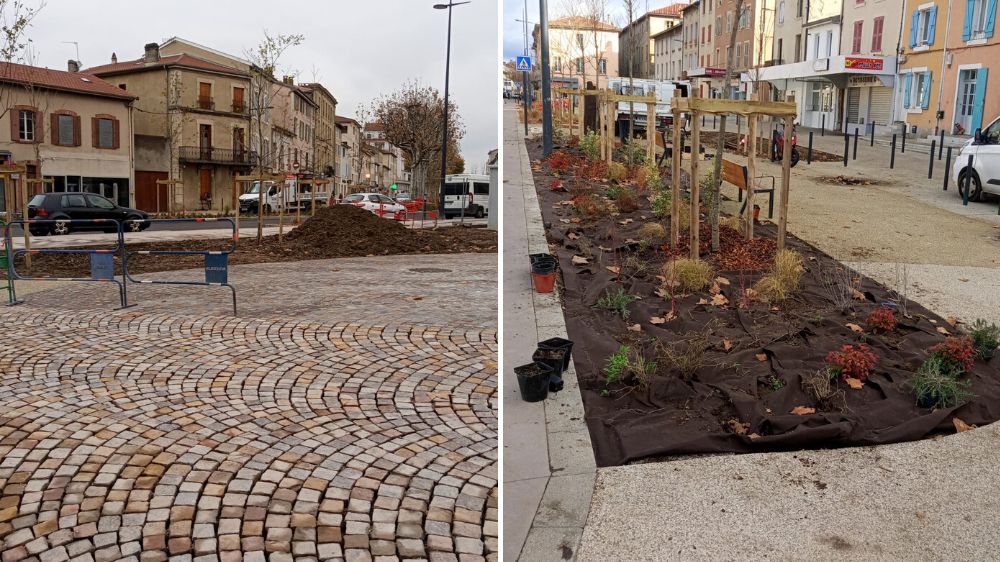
<point>603,249</point>
<point>722,280</point>
<point>803,410</point>
<point>579,260</point>
<point>614,269</point>
<point>574,220</point>
<point>565,221</point>
<point>702,301</point>
<point>715,289</point>
<point>858,295</point>
<point>635,328</point>
<point>626,222</point>
<point>662,293</point>
<point>855,327</point>
<point>761,357</point>
<point>572,236</point>
<point>738,427</point>
<point>960,425</point>
<point>727,344</point>
<point>720,300</point>
<point>951,320</point>
<point>856,384</point>
<point>942,330</point>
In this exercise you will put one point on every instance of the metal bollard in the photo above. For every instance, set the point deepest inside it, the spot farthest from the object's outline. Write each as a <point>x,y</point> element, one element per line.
<point>941,145</point>
<point>854,155</point>
<point>847,146</point>
<point>822,127</point>
<point>930,165</point>
<point>809,152</point>
<point>873,135</point>
<point>902,150</point>
<point>947,168</point>
<point>703,120</point>
<point>892,153</point>
<point>968,183</point>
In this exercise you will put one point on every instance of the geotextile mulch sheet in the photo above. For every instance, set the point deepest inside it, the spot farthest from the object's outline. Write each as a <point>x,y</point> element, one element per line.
<point>741,392</point>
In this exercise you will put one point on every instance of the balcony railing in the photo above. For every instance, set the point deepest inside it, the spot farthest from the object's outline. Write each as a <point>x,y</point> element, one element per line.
<point>239,107</point>
<point>206,102</point>
<point>225,156</point>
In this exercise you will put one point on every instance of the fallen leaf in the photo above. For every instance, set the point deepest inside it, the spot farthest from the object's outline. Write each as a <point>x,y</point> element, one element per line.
<point>856,384</point>
<point>775,309</point>
<point>753,436</point>
<point>722,280</point>
<point>727,345</point>
<point>567,221</point>
<point>921,515</point>
<point>963,279</point>
<point>625,222</point>
<point>603,249</point>
<point>574,220</point>
<point>738,427</point>
<point>858,294</point>
<point>960,425</point>
<point>579,260</point>
<point>714,289</point>
<point>661,293</point>
<point>855,327</point>
<point>803,410</point>
<point>572,236</point>
<point>702,301</point>
<point>932,321</point>
<point>631,241</point>
<point>761,357</point>
<point>951,320</point>
<point>635,328</point>
<point>657,320</point>
<point>720,300</point>
<point>614,269</point>
<point>942,330</point>
<point>490,365</point>
<point>768,410</point>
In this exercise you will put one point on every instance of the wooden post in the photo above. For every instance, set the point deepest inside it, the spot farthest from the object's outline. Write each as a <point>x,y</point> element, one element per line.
<point>651,131</point>
<point>751,170</point>
<point>786,172</point>
<point>693,236</point>
<point>675,181</point>
<point>236,206</point>
<point>24,216</point>
<point>581,102</point>
<point>609,129</point>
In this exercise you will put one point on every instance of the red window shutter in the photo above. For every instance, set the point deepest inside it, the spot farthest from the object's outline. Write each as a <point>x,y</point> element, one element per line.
<point>114,142</point>
<point>76,130</point>
<point>38,127</point>
<point>15,115</point>
<point>54,128</point>
<point>877,34</point>
<point>93,132</point>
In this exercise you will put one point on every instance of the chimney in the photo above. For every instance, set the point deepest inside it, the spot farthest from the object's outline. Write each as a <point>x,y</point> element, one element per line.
<point>114,58</point>
<point>152,52</point>
<point>290,80</point>
<point>73,66</point>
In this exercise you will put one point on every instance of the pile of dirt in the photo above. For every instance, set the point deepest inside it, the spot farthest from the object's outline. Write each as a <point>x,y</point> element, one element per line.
<point>848,180</point>
<point>339,231</point>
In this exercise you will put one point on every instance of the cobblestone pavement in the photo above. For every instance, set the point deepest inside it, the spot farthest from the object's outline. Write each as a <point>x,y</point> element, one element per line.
<point>144,435</point>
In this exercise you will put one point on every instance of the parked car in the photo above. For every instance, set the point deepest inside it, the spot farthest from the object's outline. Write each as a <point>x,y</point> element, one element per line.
<point>65,207</point>
<point>984,147</point>
<point>293,195</point>
<point>470,192</point>
<point>377,203</point>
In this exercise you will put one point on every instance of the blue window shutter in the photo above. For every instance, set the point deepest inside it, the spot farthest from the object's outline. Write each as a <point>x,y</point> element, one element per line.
<point>906,90</point>
<point>970,6</point>
<point>991,16</point>
<point>926,101</point>
<point>931,20</point>
<point>977,100</point>
<point>913,29</point>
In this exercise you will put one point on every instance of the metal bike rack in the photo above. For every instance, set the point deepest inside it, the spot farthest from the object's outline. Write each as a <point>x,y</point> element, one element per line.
<point>102,261</point>
<point>216,262</point>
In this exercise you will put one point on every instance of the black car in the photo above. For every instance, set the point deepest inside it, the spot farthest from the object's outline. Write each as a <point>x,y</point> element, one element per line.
<point>66,207</point>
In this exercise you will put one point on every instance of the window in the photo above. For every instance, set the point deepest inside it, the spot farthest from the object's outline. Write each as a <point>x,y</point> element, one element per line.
<point>856,43</point>
<point>65,129</point>
<point>798,46</point>
<point>744,18</point>
<point>122,86</point>
<point>815,47</point>
<point>798,9</point>
<point>718,25</point>
<point>26,125</point>
<point>579,68</point>
<point>729,22</point>
<point>73,201</point>
<point>877,34</point>
<point>781,44</point>
<point>602,66</point>
<point>100,202</point>
<point>781,12</point>
<point>922,27</point>
<point>105,132</point>
<point>978,20</point>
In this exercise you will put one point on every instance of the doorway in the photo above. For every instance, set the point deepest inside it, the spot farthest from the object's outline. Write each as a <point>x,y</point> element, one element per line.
<point>966,98</point>
<point>205,141</point>
<point>205,184</point>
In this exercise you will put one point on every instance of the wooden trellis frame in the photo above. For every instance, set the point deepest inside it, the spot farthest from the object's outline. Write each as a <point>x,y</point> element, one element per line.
<point>236,191</point>
<point>607,110</point>
<point>752,110</point>
<point>170,194</point>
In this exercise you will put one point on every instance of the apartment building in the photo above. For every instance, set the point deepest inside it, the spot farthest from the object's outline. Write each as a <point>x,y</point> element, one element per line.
<point>67,127</point>
<point>754,28</point>
<point>690,30</point>
<point>636,50</point>
<point>325,135</point>
<point>351,158</point>
<point>581,50</point>
<point>869,38</point>
<point>668,49</point>
<point>191,125</point>
<point>304,111</point>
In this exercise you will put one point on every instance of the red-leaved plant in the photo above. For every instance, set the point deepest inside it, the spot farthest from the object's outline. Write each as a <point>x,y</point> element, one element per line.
<point>882,318</point>
<point>957,353</point>
<point>559,161</point>
<point>851,362</point>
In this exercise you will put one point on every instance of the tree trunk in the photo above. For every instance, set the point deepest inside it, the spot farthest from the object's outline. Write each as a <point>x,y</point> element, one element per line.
<point>720,145</point>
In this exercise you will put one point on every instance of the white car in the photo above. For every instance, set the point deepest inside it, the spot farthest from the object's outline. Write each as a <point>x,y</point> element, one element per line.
<point>377,203</point>
<point>985,151</point>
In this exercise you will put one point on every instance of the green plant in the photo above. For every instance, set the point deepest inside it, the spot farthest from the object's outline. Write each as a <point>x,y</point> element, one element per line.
<point>707,185</point>
<point>558,135</point>
<point>629,366</point>
<point>617,366</point>
<point>614,191</point>
<point>591,145</point>
<point>617,302</point>
<point>661,202</point>
<point>626,201</point>
<point>956,353</point>
<point>633,154</point>
<point>775,383</point>
<point>616,171</point>
<point>687,274</point>
<point>936,386</point>
<point>985,337</point>
<point>651,175</point>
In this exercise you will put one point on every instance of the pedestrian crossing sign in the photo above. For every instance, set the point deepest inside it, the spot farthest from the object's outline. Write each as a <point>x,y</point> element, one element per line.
<point>524,64</point>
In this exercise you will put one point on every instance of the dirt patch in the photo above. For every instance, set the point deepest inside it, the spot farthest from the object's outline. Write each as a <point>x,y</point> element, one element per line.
<point>335,232</point>
<point>723,374</point>
<point>710,139</point>
<point>849,181</point>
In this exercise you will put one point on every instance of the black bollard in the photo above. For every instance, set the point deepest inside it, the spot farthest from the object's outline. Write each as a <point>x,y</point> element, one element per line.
<point>713,120</point>
<point>873,134</point>
<point>947,168</point>
<point>854,155</point>
<point>822,127</point>
<point>902,149</point>
<point>968,182</point>
<point>847,146</point>
<point>703,120</point>
<point>930,166</point>
<point>941,145</point>
<point>809,151</point>
<point>892,153</point>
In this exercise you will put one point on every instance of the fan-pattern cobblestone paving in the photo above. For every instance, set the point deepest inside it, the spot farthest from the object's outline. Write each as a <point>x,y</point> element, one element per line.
<point>133,435</point>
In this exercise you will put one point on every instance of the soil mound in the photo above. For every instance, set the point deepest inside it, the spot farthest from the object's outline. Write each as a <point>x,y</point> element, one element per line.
<point>351,226</point>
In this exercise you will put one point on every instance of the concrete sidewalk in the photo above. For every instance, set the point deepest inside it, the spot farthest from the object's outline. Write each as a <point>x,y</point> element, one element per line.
<point>548,459</point>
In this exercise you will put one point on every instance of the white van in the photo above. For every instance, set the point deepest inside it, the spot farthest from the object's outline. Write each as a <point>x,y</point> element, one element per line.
<point>293,196</point>
<point>470,192</point>
<point>984,148</point>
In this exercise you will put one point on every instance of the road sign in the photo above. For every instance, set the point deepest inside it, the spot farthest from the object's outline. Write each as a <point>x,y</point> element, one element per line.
<point>524,64</point>
<point>295,165</point>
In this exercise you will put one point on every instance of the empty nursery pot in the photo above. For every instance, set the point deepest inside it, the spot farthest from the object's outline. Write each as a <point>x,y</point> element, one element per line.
<point>555,383</point>
<point>554,359</point>
<point>533,381</point>
<point>559,343</point>
<point>544,282</point>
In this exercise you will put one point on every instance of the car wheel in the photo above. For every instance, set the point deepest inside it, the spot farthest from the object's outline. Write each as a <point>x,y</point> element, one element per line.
<point>134,224</point>
<point>479,213</point>
<point>976,193</point>
<point>60,227</point>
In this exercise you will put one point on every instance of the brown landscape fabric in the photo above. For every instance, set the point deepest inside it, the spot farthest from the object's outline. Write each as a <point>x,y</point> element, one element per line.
<point>734,394</point>
<point>335,232</point>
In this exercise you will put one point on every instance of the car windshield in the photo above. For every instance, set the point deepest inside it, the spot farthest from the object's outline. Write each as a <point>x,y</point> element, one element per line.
<point>254,188</point>
<point>36,201</point>
<point>354,197</point>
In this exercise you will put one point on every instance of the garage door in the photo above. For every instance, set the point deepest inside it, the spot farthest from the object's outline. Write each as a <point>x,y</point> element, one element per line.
<point>880,105</point>
<point>147,192</point>
<point>853,104</point>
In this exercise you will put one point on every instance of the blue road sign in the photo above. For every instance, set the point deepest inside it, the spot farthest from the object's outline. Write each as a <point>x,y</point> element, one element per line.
<point>524,64</point>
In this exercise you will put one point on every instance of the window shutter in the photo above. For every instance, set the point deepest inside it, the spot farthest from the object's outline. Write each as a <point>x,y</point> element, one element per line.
<point>15,115</point>
<point>76,130</point>
<point>970,6</point>
<point>978,100</point>
<point>925,102</point>
<point>54,128</point>
<point>914,23</point>
<point>906,90</point>
<point>93,132</point>
<point>38,127</point>
<point>114,142</point>
<point>991,16</point>
<point>931,20</point>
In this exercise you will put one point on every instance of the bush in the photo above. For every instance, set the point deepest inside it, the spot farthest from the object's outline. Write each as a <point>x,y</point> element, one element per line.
<point>662,198</point>
<point>685,356</point>
<point>652,177</point>
<point>820,386</point>
<point>591,145</point>
<point>734,222</point>
<point>559,161</point>
<point>617,366</point>
<point>616,171</point>
<point>687,274</point>
<point>633,154</point>
<point>881,318</point>
<point>936,386</point>
<point>956,353</point>
<point>630,367</point>
<point>652,231</point>
<point>626,201</point>
<point>617,302</point>
<point>985,337</point>
<point>784,278</point>
<point>590,206</point>
<point>613,191</point>
<point>851,362</point>
<point>596,170</point>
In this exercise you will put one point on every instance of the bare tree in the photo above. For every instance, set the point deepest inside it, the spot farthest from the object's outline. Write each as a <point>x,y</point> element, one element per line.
<point>631,10</point>
<point>37,97</point>
<point>15,18</point>
<point>264,64</point>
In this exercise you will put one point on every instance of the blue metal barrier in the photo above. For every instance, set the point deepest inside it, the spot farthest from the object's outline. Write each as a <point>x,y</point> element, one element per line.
<point>216,262</point>
<point>102,261</point>
<point>5,265</point>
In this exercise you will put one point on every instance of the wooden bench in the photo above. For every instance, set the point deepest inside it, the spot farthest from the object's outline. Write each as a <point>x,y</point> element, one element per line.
<point>736,175</point>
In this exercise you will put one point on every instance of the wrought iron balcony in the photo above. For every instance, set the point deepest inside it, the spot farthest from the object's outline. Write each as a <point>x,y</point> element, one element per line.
<point>224,156</point>
<point>206,102</point>
<point>239,107</point>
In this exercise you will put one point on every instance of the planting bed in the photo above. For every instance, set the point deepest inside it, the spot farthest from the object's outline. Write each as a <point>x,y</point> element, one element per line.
<point>739,395</point>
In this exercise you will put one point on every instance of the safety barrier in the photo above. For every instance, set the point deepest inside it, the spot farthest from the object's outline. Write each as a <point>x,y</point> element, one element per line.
<point>5,265</point>
<point>216,262</point>
<point>102,261</point>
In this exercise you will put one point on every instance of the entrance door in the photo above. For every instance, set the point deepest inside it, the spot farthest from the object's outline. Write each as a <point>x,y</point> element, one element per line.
<point>205,141</point>
<point>205,182</point>
<point>853,105</point>
<point>966,95</point>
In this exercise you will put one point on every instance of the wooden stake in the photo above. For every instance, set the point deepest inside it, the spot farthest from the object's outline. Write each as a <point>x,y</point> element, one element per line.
<point>236,206</point>
<point>650,131</point>
<point>695,187</point>
<point>675,182</point>
<point>786,173</point>
<point>751,170</point>
<point>23,182</point>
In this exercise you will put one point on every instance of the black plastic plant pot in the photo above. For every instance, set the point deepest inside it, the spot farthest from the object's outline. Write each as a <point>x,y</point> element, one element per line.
<point>559,343</point>
<point>555,383</point>
<point>537,257</point>
<point>543,268</point>
<point>987,354</point>
<point>533,381</point>
<point>554,359</point>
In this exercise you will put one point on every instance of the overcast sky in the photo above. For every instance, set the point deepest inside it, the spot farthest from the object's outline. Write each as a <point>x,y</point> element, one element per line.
<point>359,48</point>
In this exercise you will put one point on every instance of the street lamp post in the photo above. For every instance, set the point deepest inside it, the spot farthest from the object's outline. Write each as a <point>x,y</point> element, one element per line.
<point>525,97</point>
<point>447,70</point>
<point>543,17</point>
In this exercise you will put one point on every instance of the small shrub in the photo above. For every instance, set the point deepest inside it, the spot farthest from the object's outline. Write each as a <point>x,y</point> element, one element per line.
<point>559,161</point>
<point>784,278</point>
<point>936,387</point>
<point>851,362</point>
<point>734,222</point>
<point>558,135</point>
<point>820,386</point>
<point>985,337</point>
<point>616,302</point>
<point>685,356</point>
<point>591,145</point>
<point>882,318</point>
<point>687,274</point>
<point>662,199</point>
<point>956,353</point>
<point>633,154</point>
<point>707,187</point>
<point>652,231</point>
<point>616,171</point>
<point>590,206</point>
<point>775,383</point>
<point>626,201</point>
<point>617,366</point>
<point>613,191</point>
<point>651,175</point>
<point>630,367</point>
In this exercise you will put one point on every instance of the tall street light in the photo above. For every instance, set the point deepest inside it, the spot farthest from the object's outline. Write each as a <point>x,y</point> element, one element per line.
<point>543,17</point>
<point>447,70</point>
